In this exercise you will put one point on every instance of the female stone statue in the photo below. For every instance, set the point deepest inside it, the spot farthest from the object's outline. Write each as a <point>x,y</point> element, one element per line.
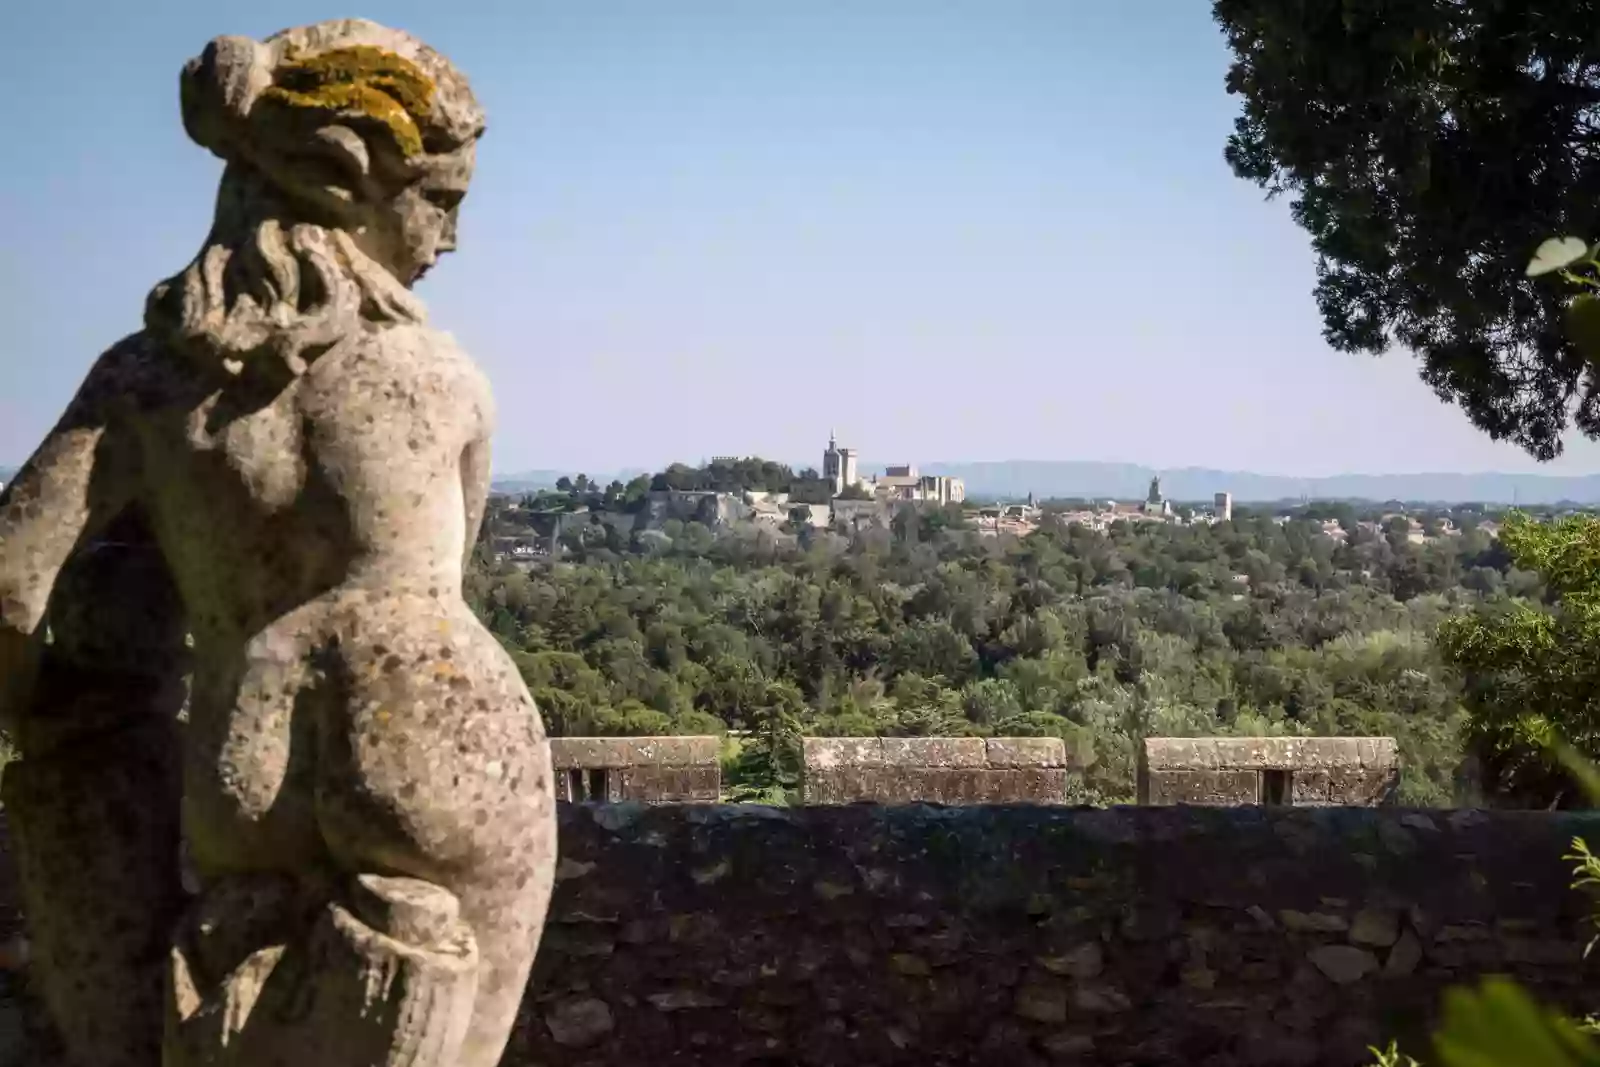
<point>366,794</point>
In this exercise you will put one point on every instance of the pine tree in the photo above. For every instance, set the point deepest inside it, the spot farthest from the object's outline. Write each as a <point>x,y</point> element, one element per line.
<point>767,770</point>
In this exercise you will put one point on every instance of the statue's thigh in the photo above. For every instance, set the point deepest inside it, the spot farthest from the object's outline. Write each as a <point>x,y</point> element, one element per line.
<point>441,772</point>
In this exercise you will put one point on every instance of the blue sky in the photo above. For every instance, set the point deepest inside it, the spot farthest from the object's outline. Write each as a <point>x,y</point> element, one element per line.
<point>950,230</point>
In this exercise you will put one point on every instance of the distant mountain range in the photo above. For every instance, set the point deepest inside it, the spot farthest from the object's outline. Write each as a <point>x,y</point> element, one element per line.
<point>1129,481</point>
<point>529,481</point>
<point>1015,479</point>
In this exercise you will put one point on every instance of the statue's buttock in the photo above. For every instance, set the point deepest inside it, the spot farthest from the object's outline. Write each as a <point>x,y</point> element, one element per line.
<point>366,796</point>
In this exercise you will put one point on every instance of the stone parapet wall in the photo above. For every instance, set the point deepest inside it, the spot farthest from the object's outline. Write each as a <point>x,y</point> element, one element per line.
<point>654,770</point>
<point>707,935</point>
<point>1295,771</point>
<point>944,770</point>
<point>1034,935</point>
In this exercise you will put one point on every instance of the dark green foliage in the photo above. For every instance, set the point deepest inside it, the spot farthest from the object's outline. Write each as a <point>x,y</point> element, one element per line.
<point>1428,146</point>
<point>767,769</point>
<point>1530,669</point>
<point>1253,626</point>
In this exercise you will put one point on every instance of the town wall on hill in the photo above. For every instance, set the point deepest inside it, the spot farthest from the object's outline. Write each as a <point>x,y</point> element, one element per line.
<point>1032,935</point>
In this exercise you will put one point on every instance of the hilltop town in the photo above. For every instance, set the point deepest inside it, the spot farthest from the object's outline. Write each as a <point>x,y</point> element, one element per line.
<point>731,495</point>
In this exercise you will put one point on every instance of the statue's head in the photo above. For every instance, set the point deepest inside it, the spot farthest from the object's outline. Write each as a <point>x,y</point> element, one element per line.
<point>349,147</point>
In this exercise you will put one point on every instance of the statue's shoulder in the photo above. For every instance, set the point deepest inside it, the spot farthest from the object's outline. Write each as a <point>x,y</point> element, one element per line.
<point>414,362</point>
<point>414,345</point>
<point>134,375</point>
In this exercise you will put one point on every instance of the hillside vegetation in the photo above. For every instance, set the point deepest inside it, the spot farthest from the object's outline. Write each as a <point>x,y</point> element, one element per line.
<point>1255,626</point>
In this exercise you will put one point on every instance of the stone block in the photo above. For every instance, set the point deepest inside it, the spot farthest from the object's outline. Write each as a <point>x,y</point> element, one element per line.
<point>936,753</point>
<point>653,770</point>
<point>585,753</point>
<point>1220,788</point>
<point>1294,771</point>
<point>1018,753</point>
<point>935,770</point>
<point>828,753</point>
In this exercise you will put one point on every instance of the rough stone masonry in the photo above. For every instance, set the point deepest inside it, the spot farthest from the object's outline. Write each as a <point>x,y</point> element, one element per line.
<point>710,936</point>
<point>1296,771</point>
<point>941,770</point>
<point>648,769</point>
<point>1030,935</point>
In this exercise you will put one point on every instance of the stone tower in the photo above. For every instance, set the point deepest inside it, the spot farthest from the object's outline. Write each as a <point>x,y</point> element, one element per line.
<point>839,465</point>
<point>833,465</point>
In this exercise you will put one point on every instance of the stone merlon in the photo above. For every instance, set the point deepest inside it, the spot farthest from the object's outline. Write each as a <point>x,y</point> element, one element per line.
<point>585,753</point>
<point>1269,753</point>
<point>944,770</point>
<point>1298,771</point>
<point>939,753</point>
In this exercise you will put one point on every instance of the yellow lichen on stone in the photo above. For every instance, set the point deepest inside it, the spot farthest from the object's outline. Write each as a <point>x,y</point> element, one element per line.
<point>363,79</point>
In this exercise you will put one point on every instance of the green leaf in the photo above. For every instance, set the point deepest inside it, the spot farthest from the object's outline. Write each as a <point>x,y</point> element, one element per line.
<point>1587,774</point>
<point>1556,253</point>
<point>1499,1025</point>
<point>1583,324</point>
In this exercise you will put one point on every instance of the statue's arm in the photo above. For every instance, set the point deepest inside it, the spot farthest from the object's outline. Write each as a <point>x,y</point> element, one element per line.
<point>475,490</point>
<point>475,461</point>
<point>69,489</point>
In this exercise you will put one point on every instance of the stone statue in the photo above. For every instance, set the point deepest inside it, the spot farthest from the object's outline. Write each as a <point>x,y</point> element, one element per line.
<point>93,806</point>
<point>366,796</point>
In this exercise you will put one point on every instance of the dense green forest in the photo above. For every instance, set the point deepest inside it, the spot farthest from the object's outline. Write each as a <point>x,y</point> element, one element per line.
<point>1259,625</point>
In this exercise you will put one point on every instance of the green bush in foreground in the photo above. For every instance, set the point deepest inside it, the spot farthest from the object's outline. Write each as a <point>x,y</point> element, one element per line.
<point>1541,659</point>
<point>1497,1024</point>
<point>1529,669</point>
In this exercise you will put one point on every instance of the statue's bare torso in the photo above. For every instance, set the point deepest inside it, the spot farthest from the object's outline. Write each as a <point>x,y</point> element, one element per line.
<point>348,714</point>
<point>317,537</point>
<point>298,466</point>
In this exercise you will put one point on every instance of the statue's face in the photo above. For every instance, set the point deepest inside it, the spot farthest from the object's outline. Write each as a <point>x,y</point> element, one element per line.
<point>409,233</point>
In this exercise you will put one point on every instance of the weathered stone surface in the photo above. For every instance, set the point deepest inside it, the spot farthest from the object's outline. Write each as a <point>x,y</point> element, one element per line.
<point>579,1022</point>
<point>1405,955</point>
<point>1081,961</point>
<point>1043,1003</point>
<point>297,464</point>
<point>100,873</point>
<point>573,753</point>
<point>1378,927</point>
<point>652,770</point>
<point>1133,935</point>
<point>1314,922</point>
<point>1343,963</point>
<point>1294,771</point>
<point>940,770</point>
<point>1022,753</point>
<point>829,753</point>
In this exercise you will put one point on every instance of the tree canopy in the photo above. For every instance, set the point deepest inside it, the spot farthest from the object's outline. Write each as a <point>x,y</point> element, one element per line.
<point>933,627</point>
<point>1529,668</point>
<point>1428,146</point>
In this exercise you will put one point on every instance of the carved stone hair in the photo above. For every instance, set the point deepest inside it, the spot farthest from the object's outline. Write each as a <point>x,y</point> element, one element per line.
<point>320,127</point>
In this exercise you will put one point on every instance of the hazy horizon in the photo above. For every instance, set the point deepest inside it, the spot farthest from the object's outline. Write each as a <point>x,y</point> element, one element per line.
<point>709,227</point>
<point>1125,481</point>
<point>869,466</point>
